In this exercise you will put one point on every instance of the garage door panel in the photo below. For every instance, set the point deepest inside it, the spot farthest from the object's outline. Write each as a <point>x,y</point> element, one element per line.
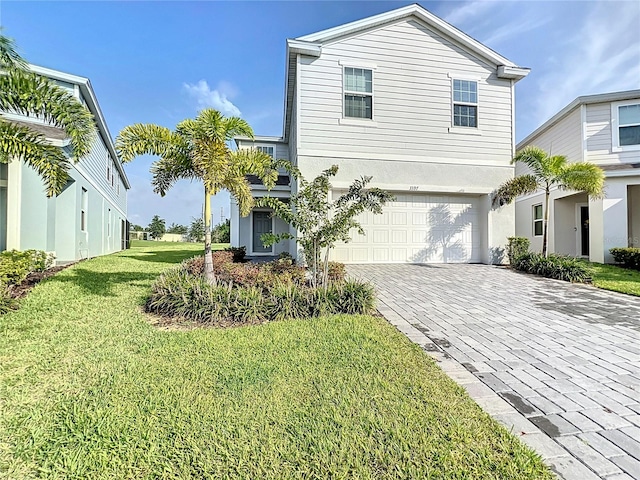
<point>419,228</point>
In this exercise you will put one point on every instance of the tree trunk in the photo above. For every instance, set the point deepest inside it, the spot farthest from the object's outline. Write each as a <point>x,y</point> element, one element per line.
<point>325,272</point>
<point>545,222</point>
<point>208,259</point>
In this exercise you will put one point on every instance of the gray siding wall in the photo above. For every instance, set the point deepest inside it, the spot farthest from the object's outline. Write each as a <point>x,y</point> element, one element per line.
<point>563,138</point>
<point>94,167</point>
<point>599,140</point>
<point>412,85</point>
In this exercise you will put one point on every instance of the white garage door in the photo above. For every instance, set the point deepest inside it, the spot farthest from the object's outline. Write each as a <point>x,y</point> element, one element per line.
<point>417,228</point>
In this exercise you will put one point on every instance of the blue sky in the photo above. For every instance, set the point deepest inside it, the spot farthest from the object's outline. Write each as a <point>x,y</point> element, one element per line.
<point>160,62</point>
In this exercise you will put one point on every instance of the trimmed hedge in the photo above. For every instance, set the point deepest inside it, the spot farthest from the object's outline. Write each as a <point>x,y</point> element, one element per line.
<point>628,257</point>
<point>180,293</point>
<point>517,247</point>
<point>559,267</point>
<point>16,265</point>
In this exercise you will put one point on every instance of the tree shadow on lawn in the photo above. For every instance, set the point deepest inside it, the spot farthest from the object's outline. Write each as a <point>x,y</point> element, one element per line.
<point>170,256</point>
<point>102,284</point>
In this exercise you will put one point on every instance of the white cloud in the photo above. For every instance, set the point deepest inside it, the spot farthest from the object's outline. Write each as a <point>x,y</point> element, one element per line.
<point>218,98</point>
<point>603,56</point>
<point>516,28</point>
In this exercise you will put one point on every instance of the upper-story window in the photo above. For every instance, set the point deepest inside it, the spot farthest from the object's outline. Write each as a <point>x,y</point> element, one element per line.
<point>629,125</point>
<point>358,93</point>
<point>268,149</point>
<point>465,103</point>
<point>108,169</point>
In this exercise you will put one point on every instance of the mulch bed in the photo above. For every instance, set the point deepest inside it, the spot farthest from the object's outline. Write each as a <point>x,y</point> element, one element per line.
<point>19,291</point>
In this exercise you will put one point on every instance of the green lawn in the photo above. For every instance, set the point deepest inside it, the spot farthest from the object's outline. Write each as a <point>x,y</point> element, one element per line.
<point>89,389</point>
<point>614,278</point>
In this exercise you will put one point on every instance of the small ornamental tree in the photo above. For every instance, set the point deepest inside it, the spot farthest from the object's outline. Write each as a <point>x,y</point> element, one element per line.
<point>321,222</point>
<point>156,228</point>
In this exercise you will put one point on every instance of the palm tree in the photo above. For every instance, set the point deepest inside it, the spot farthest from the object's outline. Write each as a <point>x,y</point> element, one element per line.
<point>546,172</point>
<point>198,149</point>
<point>26,93</point>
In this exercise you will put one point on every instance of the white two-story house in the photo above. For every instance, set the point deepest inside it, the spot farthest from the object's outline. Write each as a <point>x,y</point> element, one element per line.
<point>423,108</point>
<point>603,129</point>
<point>89,217</point>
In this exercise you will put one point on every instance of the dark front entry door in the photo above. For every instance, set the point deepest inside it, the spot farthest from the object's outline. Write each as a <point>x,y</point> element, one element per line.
<point>584,231</point>
<point>261,225</point>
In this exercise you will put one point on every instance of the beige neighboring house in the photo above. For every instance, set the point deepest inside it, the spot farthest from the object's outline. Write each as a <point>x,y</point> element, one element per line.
<point>419,105</point>
<point>603,129</point>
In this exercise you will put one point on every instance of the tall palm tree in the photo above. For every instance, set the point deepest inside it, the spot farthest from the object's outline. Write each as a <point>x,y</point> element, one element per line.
<point>198,149</point>
<point>26,93</point>
<point>547,172</point>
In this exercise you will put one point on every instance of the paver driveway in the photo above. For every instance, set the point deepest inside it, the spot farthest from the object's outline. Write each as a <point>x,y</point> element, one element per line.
<point>566,356</point>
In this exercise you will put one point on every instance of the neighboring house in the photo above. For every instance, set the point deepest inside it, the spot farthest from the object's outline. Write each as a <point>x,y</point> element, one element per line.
<point>603,129</point>
<point>423,108</point>
<point>89,217</point>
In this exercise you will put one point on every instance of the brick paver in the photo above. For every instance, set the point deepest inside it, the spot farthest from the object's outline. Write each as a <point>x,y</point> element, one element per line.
<point>567,357</point>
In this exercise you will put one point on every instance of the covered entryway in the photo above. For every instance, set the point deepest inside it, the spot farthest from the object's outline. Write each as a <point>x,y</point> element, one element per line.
<point>418,228</point>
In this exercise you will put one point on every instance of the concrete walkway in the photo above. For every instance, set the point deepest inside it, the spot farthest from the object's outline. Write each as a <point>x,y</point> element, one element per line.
<point>557,363</point>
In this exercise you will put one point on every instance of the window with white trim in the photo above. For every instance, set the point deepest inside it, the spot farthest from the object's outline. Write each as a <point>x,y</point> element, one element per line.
<point>268,149</point>
<point>537,220</point>
<point>465,103</point>
<point>358,93</point>
<point>84,203</point>
<point>628,125</point>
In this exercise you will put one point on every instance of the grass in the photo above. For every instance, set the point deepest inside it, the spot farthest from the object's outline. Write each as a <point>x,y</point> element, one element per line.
<point>89,389</point>
<point>617,279</point>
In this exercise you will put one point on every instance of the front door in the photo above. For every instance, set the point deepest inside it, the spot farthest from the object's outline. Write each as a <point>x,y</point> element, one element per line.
<point>583,229</point>
<point>261,225</point>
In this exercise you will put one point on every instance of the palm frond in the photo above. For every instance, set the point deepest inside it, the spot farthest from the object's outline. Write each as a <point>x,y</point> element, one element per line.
<point>583,177</point>
<point>511,189</point>
<point>9,57</point>
<point>31,94</point>
<point>240,189</point>
<point>167,171</point>
<point>20,142</point>
<point>150,139</point>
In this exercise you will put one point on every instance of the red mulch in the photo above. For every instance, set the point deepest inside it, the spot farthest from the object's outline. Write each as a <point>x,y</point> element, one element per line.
<point>19,291</point>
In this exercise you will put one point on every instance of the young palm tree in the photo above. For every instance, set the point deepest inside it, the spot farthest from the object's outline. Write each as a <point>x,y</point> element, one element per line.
<point>27,93</point>
<point>198,149</point>
<point>547,172</point>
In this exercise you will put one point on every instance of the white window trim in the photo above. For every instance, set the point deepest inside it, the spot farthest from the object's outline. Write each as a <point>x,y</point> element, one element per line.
<point>459,128</point>
<point>534,220</point>
<point>270,145</point>
<point>355,120</point>
<point>273,228</point>
<point>84,195</point>
<point>615,124</point>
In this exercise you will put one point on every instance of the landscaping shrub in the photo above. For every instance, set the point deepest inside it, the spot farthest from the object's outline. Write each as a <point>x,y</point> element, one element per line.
<point>15,265</point>
<point>259,295</point>
<point>238,253</point>
<point>559,267</point>
<point>336,272</point>
<point>628,257</point>
<point>517,247</point>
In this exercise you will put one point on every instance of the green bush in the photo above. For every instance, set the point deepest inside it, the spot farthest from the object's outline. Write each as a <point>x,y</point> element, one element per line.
<point>15,265</point>
<point>559,267</point>
<point>179,293</point>
<point>238,253</point>
<point>628,257</point>
<point>517,247</point>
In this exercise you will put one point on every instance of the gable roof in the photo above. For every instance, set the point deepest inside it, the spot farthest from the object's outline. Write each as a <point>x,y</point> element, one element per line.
<point>311,45</point>
<point>92,104</point>
<point>583,100</point>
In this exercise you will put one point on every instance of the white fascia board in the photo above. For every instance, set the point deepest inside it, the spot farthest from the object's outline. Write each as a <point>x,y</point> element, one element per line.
<point>514,73</point>
<point>92,103</point>
<point>420,13</point>
<point>296,45</point>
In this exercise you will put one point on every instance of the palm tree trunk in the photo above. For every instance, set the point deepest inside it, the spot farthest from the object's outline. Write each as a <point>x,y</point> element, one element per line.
<point>545,222</point>
<point>208,259</point>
